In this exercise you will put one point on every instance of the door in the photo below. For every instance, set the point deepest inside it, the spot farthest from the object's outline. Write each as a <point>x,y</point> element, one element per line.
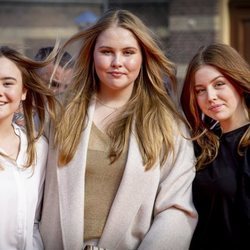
<point>240,26</point>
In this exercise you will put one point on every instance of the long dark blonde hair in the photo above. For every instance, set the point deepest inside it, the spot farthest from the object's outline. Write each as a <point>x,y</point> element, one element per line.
<point>237,71</point>
<point>39,98</point>
<point>150,108</point>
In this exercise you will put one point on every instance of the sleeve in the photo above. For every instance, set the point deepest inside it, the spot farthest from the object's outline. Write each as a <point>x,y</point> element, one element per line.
<point>42,156</point>
<point>244,197</point>
<point>175,217</point>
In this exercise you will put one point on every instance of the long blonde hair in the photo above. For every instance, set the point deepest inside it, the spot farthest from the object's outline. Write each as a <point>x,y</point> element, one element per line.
<point>39,98</point>
<point>150,108</point>
<point>233,67</point>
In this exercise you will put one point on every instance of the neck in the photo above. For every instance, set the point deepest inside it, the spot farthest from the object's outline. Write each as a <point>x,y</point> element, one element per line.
<point>113,103</point>
<point>5,127</point>
<point>106,105</point>
<point>230,127</point>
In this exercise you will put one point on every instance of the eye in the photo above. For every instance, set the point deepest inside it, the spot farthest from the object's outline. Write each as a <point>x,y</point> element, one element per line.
<point>7,84</point>
<point>128,52</point>
<point>106,52</point>
<point>200,91</point>
<point>219,84</point>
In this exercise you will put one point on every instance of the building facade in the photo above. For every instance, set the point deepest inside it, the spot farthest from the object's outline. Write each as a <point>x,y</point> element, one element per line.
<point>182,25</point>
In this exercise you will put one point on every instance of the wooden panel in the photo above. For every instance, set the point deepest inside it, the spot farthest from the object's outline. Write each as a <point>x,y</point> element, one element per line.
<point>246,39</point>
<point>240,29</point>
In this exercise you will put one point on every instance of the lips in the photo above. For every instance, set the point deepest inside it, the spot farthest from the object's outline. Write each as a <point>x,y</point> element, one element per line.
<point>116,73</point>
<point>215,107</point>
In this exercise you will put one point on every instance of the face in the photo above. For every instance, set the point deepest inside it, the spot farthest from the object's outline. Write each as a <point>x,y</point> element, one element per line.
<point>61,78</point>
<point>12,91</point>
<point>218,98</point>
<point>117,59</point>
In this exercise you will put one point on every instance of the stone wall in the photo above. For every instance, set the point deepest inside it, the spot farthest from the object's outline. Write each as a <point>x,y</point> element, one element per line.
<point>182,25</point>
<point>29,26</point>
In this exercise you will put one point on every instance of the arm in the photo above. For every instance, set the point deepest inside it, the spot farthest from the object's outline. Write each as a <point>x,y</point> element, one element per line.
<point>175,217</point>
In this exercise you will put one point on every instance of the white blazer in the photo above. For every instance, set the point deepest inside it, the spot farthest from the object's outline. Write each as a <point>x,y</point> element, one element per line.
<point>151,210</point>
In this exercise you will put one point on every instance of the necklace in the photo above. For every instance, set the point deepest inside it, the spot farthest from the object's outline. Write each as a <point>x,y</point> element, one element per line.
<point>107,106</point>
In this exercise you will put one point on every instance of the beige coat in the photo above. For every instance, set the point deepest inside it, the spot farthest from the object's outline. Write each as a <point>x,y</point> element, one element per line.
<point>151,210</point>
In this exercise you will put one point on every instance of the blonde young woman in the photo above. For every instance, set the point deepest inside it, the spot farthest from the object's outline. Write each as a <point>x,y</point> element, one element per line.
<point>217,91</point>
<point>23,151</point>
<point>120,175</point>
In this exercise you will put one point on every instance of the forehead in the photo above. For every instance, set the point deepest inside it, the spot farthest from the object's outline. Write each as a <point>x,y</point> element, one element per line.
<point>9,69</point>
<point>116,36</point>
<point>206,74</point>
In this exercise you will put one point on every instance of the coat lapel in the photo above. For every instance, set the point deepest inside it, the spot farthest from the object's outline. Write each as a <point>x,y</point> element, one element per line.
<point>71,192</point>
<point>132,190</point>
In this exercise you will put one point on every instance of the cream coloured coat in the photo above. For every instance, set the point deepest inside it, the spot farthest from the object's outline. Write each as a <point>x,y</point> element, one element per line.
<point>151,210</point>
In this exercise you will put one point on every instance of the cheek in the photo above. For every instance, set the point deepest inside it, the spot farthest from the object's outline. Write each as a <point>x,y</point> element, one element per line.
<point>134,64</point>
<point>101,67</point>
<point>15,97</point>
<point>234,98</point>
<point>201,102</point>
<point>101,62</point>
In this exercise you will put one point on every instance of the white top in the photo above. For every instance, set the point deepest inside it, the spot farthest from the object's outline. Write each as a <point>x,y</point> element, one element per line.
<point>21,191</point>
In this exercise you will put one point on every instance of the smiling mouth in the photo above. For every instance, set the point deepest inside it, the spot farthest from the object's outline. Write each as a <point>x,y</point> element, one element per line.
<point>215,107</point>
<point>2,103</point>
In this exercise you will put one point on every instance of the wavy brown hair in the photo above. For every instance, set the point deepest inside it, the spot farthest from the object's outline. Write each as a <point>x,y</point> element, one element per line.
<point>150,108</point>
<point>237,71</point>
<point>39,98</point>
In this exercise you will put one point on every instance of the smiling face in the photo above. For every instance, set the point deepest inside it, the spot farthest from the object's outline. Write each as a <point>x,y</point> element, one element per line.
<point>12,91</point>
<point>219,99</point>
<point>117,59</point>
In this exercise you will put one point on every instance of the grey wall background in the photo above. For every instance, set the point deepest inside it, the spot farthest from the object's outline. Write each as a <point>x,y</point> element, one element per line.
<point>182,25</point>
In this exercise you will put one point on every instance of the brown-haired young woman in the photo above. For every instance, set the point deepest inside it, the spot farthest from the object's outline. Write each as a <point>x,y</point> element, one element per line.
<point>216,102</point>
<point>23,150</point>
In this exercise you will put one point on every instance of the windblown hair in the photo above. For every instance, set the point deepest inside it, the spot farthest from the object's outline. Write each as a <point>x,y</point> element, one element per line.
<point>39,98</point>
<point>150,108</point>
<point>236,70</point>
<point>65,61</point>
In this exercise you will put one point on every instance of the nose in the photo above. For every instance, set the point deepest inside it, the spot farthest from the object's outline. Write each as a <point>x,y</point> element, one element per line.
<point>211,94</point>
<point>117,61</point>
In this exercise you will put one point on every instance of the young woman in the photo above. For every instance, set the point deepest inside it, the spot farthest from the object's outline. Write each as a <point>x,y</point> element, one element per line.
<point>217,91</point>
<point>121,175</point>
<point>23,153</point>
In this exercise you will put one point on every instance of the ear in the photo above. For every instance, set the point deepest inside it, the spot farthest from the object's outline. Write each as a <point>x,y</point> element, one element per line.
<point>24,94</point>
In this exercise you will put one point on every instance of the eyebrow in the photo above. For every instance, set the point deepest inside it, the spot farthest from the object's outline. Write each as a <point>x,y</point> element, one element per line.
<point>8,78</point>
<point>216,78</point>
<point>108,47</point>
<point>197,85</point>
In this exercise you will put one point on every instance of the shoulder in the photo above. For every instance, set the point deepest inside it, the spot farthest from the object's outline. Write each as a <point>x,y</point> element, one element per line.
<point>181,130</point>
<point>41,143</point>
<point>183,144</point>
